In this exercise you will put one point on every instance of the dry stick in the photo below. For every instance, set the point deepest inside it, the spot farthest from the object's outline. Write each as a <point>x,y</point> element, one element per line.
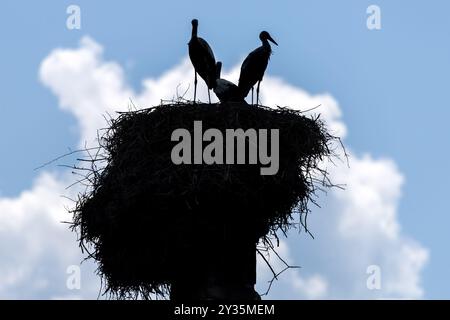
<point>185,92</point>
<point>87,177</point>
<point>81,181</point>
<point>89,154</point>
<point>181,98</point>
<point>100,289</point>
<point>276,275</point>
<point>68,198</point>
<point>273,279</point>
<point>285,263</point>
<point>74,167</point>
<point>132,103</point>
<point>63,156</point>
<point>268,264</point>
<point>307,110</point>
<point>98,159</point>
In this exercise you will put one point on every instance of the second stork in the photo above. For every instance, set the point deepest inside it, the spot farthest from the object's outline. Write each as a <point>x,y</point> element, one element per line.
<point>202,58</point>
<point>226,90</point>
<point>254,66</point>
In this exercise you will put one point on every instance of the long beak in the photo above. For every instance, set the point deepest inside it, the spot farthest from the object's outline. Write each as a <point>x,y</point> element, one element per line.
<point>271,40</point>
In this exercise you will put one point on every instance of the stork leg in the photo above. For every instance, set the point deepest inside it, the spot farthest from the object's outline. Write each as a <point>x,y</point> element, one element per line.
<point>195,86</point>
<point>257,93</point>
<point>252,95</point>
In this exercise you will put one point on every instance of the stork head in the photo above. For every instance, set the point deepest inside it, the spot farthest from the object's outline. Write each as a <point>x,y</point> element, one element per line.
<point>194,28</point>
<point>264,36</point>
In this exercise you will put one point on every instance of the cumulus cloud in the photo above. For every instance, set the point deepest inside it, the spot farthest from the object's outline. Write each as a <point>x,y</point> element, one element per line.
<point>36,248</point>
<point>354,228</point>
<point>291,283</point>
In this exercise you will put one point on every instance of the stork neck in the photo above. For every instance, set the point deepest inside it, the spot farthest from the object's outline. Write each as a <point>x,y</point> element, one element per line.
<point>194,31</point>
<point>218,71</point>
<point>266,46</point>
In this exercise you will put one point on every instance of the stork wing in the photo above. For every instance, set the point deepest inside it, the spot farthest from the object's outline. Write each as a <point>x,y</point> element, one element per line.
<point>206,46</point>
<point>252,70</point>
<point>208,69</point>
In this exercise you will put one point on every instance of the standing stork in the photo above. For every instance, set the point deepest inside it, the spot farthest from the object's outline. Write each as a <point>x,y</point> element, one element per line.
<point>226,90</point>
<point>254,66</point>
<point>202,58</point>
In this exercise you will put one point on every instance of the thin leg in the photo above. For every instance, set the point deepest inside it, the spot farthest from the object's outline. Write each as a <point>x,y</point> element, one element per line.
<point>252,95</point>
<point>195,86</point>
<point>257,93</point>
<point>209,97</point>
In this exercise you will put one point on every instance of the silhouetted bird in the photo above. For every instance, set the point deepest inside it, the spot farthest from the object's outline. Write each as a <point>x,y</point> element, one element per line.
<point>226,90</point>
<point>202,59</point>
<point>254,66</point>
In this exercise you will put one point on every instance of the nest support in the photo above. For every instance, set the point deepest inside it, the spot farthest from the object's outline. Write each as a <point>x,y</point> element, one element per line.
<point>150,223</point>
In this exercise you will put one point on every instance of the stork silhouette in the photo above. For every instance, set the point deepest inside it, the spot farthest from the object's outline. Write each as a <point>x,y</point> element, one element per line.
<point>226,90</point>
<point>254,66</point>
<point>202,58</point>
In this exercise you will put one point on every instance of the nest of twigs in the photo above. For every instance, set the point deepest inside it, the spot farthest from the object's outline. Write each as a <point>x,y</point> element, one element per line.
<point>144,219</point>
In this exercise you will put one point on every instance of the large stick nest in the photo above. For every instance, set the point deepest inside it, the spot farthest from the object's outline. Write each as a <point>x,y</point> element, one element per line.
<point>145,219</point>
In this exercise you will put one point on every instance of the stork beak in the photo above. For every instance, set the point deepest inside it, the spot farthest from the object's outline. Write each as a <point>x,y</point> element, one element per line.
<point>271,40</point>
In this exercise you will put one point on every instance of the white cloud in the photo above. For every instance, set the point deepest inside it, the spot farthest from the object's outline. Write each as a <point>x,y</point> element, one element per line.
<point>293,285</point>
<point>85,85</point>
<point>355,228</point>
<point>36,248</point>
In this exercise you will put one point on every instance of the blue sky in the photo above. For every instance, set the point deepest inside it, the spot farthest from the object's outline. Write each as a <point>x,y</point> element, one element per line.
<point>390,84</point>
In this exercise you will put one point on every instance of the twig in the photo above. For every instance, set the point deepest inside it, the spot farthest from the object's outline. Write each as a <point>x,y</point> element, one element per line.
<point>63,156</point>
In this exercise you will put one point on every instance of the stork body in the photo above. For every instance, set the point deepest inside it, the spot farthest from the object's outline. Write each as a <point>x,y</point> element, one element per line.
<point>254,66</point>
<point>226,90</point>
<point>202,58</point>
